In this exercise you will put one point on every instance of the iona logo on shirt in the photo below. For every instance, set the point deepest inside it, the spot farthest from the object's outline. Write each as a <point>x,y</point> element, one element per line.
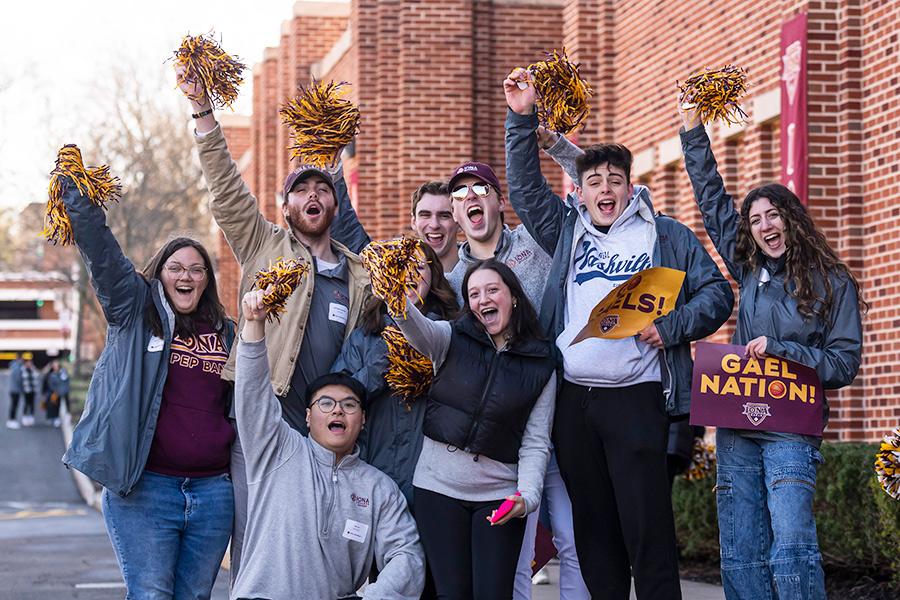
<point>359,501</point>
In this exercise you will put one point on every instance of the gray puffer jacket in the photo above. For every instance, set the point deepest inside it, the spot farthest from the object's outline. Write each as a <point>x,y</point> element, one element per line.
<point>704,302</point>
<point>112,440</point>
<point>831,345</point>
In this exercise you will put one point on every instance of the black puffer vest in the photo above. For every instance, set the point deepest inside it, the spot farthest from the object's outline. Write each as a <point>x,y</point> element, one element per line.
<point>480,399</point>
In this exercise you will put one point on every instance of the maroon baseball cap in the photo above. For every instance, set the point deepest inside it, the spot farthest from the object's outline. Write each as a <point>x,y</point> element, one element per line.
<point>302,173</point>
<point>475,169</point>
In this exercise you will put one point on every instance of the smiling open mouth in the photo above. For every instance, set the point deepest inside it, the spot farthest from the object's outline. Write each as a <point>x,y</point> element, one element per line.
<point>475,214</point>
<point>337,427</point>
<point>772,240</point>
<point>184,290</point>
<point>606,206</point>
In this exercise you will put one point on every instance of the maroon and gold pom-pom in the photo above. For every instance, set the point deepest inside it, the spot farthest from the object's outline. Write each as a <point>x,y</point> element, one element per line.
<point>94,182</point>
<point>887,464</point>
<point>205,62</point>
<point>283,278</point>
<point>703,461</point>
<point>322,122</point>
<point>562,94</point>
<point>409,372</point>
<point>394,270</point>
<point>715,93</point>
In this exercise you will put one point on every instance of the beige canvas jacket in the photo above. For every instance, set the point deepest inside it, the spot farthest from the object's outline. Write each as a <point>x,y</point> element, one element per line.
<point>256,243</point>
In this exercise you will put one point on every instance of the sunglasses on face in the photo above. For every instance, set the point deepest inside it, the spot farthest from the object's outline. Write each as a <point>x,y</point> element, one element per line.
<point>327,403</point>
<point>479,189</point>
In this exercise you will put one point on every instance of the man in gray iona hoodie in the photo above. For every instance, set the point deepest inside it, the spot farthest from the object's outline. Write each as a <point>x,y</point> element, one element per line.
<point>318,516</point>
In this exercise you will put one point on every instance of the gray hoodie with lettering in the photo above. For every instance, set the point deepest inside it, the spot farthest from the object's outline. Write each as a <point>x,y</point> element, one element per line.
<point>315,525</point>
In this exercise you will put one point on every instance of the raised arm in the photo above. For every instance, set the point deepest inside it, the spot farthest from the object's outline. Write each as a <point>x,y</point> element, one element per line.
<point>266,439</point>
<point>708,296</point>
<point>346,227</point>
<point>720,217</point>
<point>120,290</point>
<point>541,211</point>
<point>234,208</point>
<point>398,553</point>
<point>431,338</point>
<point>837,360</point>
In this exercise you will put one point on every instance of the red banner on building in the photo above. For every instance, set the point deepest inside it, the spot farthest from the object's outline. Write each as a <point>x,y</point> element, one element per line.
<point>794,153</point>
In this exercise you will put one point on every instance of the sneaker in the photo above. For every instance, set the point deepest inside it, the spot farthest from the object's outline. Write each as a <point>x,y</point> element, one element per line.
<point>542,577</point>
<point>57,422</point>
<point>27,421</point>
<point>12,424</point>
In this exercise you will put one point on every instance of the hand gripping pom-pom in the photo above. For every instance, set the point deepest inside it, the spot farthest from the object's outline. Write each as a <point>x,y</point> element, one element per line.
<point>562,94</point>
<point>887,464</point>
<point>219,74</point>
<point>715,93</point>
<point>394,270</point>
<point>322,122</point>
<point>409,372</point>
<point>94,182</point>
<point>284,277</point>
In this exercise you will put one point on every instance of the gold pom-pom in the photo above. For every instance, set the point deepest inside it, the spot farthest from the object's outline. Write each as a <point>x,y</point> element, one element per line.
<point>409,372</point>
<point>715,94</point>
<point>703,461</point>
<point>206,63</point>
<point>394,270</point>
<point>283,277</point>
<point>322,122</point>
<point>94,182</point>
<point>887,464</point>
<point>562,94</point>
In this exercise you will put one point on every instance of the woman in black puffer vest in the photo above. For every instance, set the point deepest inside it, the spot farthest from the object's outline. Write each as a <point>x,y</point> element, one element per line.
<point>487,432</point>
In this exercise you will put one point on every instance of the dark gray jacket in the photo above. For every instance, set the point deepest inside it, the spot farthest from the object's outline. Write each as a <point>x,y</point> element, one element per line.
<point>832,345</point>
<point>704,302</point>
<point>392,439</point>
<point>112,440</point>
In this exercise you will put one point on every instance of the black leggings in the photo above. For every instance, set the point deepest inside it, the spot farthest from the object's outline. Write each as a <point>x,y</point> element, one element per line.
<point>27,406</point>
<point>469,559</point>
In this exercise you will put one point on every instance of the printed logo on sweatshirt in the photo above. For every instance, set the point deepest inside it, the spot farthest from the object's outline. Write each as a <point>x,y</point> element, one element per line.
<point>359,501</point>
<point>591,263</point>
<point>513,261</point>
<point>205,351</point>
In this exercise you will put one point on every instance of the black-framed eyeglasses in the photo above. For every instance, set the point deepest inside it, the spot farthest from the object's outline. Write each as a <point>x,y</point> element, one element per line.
<point>327,403</point>
<point>479,189</point>
<point>177,270</point>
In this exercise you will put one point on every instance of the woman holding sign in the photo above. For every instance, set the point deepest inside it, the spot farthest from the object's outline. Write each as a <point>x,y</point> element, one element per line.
<point>487,432</point>
<point>799,302</point>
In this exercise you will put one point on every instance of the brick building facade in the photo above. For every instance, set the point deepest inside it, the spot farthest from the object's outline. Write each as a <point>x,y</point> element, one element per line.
<point>427,75</point>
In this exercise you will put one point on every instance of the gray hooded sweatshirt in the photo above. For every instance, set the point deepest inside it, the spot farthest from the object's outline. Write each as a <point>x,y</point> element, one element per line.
<point>315,525</point>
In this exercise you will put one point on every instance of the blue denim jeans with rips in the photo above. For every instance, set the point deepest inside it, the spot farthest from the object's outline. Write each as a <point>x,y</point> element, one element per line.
<point>767,532</point>
<point>170,534</point>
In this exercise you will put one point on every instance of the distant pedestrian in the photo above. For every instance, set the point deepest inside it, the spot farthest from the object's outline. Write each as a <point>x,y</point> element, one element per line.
<point>15,391</point>
<point>30,384</point>
<point>56,382</point>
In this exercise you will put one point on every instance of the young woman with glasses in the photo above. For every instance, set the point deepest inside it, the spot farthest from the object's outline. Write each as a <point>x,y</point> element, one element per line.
<point>155,430</point>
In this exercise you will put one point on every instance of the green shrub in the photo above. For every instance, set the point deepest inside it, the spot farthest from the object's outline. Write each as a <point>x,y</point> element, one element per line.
<point>858,524</point>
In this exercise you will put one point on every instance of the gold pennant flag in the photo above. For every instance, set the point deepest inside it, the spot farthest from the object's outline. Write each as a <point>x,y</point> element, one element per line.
<point>626,310</point>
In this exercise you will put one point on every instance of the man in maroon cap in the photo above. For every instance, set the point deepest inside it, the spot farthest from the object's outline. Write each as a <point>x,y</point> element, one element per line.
<point>321,313</point>
<point>478,209</point>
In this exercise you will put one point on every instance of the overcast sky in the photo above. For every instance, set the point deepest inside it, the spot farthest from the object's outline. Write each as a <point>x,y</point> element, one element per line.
<point>54,54</point>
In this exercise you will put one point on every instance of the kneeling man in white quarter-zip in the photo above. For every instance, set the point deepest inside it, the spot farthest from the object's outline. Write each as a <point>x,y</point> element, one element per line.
<point>318,516</point>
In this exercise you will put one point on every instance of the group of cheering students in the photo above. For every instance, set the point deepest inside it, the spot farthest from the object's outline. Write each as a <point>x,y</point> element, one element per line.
<point>283,437</point>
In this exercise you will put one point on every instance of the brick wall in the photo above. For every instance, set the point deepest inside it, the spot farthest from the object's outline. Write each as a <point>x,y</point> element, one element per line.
<point>427,77</point>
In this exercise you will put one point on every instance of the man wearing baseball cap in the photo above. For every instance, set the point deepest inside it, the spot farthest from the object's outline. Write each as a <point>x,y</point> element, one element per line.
<point>321,313</point>
<point>478,209</point>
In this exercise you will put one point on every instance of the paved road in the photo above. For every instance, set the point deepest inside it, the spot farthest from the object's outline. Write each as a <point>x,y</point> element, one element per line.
<point>54,546</point>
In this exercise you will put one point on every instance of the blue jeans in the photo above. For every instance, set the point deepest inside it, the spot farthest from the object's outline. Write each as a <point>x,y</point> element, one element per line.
<point>767,532</point>
<point>170,534</point>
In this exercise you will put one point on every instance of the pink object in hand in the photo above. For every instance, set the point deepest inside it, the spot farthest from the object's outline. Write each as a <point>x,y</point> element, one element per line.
<point>503,510</point>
